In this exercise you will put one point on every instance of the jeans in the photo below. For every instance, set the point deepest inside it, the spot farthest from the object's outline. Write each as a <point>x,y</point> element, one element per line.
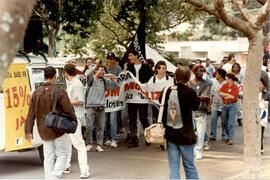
<point>175,152</point>
<point>214,119</point>
<point>55,157</point>
<point>77,141</point>
<point>200,124</point>
<point>92,116</point>
<point>228,117</point>
<point>111,119</point>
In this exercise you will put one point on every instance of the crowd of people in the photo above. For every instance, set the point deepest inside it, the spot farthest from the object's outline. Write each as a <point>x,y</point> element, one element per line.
<point>200,90</point>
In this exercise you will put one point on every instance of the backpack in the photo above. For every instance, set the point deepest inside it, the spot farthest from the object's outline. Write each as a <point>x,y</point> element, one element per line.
<point>174,117</point>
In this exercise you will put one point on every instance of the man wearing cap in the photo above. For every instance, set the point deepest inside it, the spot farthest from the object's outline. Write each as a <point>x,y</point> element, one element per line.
<point>203,89</point>
<point>111,117</point>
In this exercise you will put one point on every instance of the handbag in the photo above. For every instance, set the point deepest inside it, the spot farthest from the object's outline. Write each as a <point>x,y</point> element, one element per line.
<point>155,132</point>
<point>60,121</point>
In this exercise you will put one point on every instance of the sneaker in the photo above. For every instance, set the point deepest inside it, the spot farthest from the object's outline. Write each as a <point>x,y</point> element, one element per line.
<point>206,145</point>
<point>198,156</point>
<point>108,142</point>
<point>224,139</point>
<point>114,144</point>
<point>212,139</point>
<point>85,175</point>
<point>262,151</point>
<point>134,142</point>
<point>67,170</point>
<point>240,122</point>
<point>230,142</point>
<point>89,147</point>
<point>128,138</point>
<point>99,148</point>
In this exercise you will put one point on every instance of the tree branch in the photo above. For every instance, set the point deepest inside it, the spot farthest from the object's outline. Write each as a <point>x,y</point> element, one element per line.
<point>118,22</point>
<point>262,2</point>
<point>203,7</point>
<point>243,10</point>
<point>114,33</point>
<point>259,19</point>
<point>232,21</point>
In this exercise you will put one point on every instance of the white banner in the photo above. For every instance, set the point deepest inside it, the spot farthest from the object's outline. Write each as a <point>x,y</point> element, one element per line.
<point>131,91</point>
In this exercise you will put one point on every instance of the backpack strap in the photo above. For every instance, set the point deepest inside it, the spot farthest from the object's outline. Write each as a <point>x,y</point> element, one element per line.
<point>161,109</point>
<point>154,79</point>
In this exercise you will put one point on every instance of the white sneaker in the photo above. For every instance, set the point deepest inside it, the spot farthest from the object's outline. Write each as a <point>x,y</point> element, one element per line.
<point>67,171</point>
<point>89,147</point>
<point>108,142</point>
<point>85,175</point>
<point>99,148</point>
<point>198,156</point>
<point>206,145</point>
<point>114,144</point>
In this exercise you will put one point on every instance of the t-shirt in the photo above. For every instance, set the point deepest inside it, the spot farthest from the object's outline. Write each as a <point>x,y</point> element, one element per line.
<point>137,68</point>
<point>232,90</point>
<point>76,91</point>
<point>167,82</point>
<point>227,67</point>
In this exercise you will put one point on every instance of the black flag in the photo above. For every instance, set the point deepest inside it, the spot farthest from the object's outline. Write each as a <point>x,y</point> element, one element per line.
<point>138,43</point>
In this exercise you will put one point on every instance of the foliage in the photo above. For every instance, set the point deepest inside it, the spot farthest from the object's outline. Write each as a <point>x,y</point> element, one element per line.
<point>119,21</point>
<point>72,16</point>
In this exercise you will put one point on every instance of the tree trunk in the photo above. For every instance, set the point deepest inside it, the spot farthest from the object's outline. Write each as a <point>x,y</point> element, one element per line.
<point>52,43</point>
<point>14,17</point>
<point>252,124</point>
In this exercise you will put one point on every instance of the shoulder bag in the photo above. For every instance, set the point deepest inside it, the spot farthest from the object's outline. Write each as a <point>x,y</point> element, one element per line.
<point>60,121</point>
<point>155,132</point>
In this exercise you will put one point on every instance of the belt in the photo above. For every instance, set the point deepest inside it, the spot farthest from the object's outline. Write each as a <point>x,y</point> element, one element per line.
<point>230,102</point>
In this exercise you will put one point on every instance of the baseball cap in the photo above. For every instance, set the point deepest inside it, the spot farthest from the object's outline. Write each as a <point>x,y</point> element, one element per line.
<point>110,55</point>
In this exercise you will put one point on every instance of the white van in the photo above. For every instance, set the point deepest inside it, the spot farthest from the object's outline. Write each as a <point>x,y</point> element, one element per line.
<point>32,66</point>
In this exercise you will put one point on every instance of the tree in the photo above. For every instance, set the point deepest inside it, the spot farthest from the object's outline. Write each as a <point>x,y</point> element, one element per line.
<point>251,26</point>
<point>14,17</point>
<point>119,21</point>
<point>73,16</point>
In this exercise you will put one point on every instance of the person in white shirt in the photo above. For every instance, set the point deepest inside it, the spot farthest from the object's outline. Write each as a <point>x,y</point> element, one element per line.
<point>228,66</point>
<point>75,91</point>
<point>160,77</point>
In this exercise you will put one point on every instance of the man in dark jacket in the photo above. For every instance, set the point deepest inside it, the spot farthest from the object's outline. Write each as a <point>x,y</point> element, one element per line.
<point>142,72</point>
<point>54,143</point>
<point>180,100</point>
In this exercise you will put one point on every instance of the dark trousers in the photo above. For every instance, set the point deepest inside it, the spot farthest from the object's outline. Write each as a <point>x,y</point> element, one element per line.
<point>262,137</point>
<point>132,114</point>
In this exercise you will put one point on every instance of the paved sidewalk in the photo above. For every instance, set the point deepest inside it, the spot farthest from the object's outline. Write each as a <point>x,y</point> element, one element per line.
<point>222,161</point>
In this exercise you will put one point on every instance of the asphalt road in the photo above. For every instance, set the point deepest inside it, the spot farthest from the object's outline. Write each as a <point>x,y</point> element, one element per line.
<point>220,162</point>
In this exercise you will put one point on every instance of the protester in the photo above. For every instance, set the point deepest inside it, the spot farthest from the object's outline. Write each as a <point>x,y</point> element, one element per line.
<point>55,146</point>
<point>177,120</point>
<point>95,104</point>
<point>89,62</point>
<point>75,90</point>
<point>264,95</point>
<point>216,104</point>
<point>229,92</point>
<point>203,89</point>
<point>74,63</point>
<point>111,117</point>
<point>143,73</point>
<point>210,69</point>
<point>160,77</point>
<point>231,60</point>
<point>236,70</point>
